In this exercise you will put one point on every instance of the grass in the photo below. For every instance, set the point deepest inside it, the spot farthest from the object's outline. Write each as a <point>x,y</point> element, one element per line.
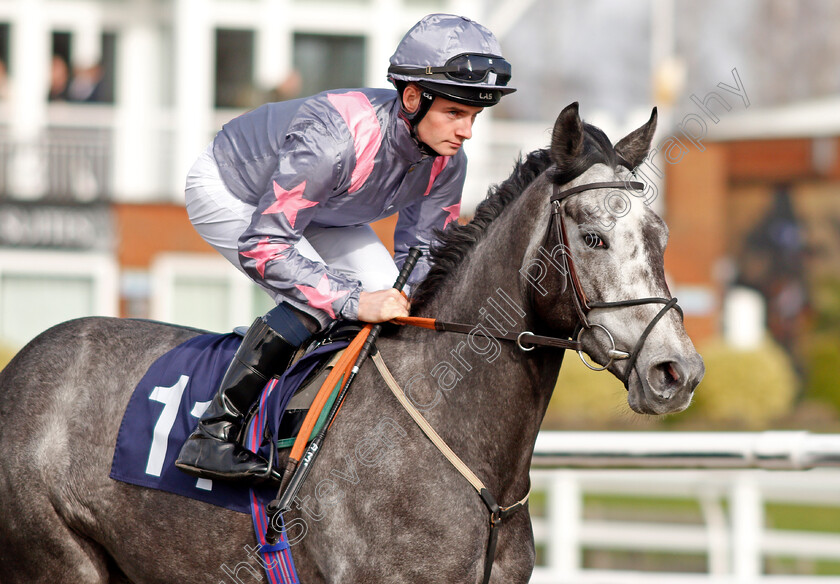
<point>802,517</point>
<point>810,518</point>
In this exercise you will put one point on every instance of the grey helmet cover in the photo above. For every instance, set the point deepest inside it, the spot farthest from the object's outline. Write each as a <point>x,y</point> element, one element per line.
<point>431,43</point>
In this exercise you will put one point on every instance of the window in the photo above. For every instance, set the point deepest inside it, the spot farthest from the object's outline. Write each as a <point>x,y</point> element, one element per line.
<point>234,68</point>
<point>329,62</point>
<point>4,60</point>
<point>202,302</point>
<point>89,84</point>
<point>60,66</point>
<point>205,292</point>
<point>105,92</point>
<point>39,289</point>
<point>4,43</point>
<point>34,302</point>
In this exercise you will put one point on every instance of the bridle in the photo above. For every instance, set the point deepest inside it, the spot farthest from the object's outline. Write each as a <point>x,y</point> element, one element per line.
<point>583,306</point>
<point>527,340</point>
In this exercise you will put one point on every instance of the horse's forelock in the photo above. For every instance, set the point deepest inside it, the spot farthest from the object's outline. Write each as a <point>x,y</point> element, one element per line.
<point>597,149</point>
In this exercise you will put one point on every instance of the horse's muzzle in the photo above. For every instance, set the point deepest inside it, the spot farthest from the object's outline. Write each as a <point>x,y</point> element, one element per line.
<point>665,386</point>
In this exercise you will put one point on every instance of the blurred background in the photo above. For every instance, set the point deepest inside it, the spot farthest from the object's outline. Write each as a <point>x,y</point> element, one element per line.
<point>105,104</point>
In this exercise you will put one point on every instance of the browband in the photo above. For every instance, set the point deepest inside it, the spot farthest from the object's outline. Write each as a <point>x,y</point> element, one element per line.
<point>618,184</point>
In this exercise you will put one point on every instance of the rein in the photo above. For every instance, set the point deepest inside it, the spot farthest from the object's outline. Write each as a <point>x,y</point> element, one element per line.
<point>521,339</point>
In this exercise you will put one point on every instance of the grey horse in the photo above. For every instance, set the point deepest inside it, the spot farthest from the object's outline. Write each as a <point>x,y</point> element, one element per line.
<point>381,504</point>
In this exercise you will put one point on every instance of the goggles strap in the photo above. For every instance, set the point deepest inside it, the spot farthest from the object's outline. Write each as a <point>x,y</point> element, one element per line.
<point>462,67</point>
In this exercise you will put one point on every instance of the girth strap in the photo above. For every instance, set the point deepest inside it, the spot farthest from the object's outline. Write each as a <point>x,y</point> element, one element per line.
<point>498,514</point>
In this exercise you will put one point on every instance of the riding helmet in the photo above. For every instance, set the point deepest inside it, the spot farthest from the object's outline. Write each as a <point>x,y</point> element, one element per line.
<point>451,57</point>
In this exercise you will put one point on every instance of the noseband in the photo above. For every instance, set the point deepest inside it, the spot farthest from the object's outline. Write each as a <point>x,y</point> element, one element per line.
<point>583,306</point>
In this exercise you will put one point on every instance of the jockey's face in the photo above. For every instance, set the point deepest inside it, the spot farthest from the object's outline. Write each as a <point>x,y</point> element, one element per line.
<point>446,125</point>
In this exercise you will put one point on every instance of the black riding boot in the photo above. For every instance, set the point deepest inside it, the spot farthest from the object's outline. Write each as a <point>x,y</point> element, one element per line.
<point>214,450</point>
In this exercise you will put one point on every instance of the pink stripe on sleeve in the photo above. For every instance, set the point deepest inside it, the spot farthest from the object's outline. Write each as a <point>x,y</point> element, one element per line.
<point>437,167</point>
<point>360,117</point>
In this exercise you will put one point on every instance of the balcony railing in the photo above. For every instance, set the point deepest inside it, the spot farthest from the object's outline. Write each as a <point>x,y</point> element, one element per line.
<point>73,160</point>
<point>63,165</point>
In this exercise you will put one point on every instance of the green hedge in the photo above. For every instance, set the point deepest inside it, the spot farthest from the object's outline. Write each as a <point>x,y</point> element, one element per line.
<point>742,390</point>
<point>585,399</point>
<point>823,376</point>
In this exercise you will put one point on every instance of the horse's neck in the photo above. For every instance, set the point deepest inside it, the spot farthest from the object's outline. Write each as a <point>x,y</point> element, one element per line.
<point>497,394</point>
<point>486,404</point>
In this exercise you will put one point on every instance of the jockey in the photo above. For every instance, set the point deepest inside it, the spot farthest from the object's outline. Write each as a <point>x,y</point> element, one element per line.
<point>286,193</point>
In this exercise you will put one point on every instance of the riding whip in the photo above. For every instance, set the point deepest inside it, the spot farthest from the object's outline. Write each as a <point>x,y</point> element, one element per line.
<point>301,469</point>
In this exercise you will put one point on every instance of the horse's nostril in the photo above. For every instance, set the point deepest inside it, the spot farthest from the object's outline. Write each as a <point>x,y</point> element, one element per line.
<point>666,378</point>
<point>673,372</point>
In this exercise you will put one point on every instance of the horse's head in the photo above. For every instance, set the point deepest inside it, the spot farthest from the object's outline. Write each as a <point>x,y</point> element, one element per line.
<point>614,246</point>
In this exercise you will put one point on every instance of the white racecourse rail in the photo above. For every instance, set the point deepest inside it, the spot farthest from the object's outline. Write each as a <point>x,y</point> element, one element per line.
<point>731,475</point>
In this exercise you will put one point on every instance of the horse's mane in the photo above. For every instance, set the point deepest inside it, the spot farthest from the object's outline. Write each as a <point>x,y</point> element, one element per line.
<point>457,240</point>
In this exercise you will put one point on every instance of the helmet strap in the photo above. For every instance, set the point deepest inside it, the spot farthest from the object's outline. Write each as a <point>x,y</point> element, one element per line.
<point>414,118</point>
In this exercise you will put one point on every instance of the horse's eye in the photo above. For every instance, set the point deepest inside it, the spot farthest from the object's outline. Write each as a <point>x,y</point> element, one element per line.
<point>593,240</point>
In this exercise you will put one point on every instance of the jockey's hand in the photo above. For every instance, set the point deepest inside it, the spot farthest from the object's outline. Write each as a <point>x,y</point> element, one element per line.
<point>382,305</point>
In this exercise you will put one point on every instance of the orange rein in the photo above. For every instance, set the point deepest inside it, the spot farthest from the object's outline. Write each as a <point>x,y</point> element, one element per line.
<point>422,322</point>
<point>341,370</point>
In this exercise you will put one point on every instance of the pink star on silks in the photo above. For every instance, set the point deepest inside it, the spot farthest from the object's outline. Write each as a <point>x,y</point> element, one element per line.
<point>265,252</point>
<point>321,297</point>
<point>454,212</point>
<point>289,202</point>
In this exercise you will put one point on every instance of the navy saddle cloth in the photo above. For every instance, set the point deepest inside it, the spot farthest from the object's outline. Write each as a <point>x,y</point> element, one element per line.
<point>167,403</point>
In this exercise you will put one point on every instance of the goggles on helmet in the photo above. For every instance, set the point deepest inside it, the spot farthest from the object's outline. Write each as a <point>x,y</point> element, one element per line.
<point>464,68</point>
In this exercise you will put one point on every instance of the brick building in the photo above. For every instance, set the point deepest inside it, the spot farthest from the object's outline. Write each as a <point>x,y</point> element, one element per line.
<point>759,207</point>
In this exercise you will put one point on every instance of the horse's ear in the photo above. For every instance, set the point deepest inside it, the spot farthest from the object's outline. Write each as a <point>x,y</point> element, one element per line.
<point>634,146</point>
<point>567,136</point>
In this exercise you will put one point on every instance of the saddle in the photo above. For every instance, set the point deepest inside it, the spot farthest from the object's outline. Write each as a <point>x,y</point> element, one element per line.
<point>291,420</point>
